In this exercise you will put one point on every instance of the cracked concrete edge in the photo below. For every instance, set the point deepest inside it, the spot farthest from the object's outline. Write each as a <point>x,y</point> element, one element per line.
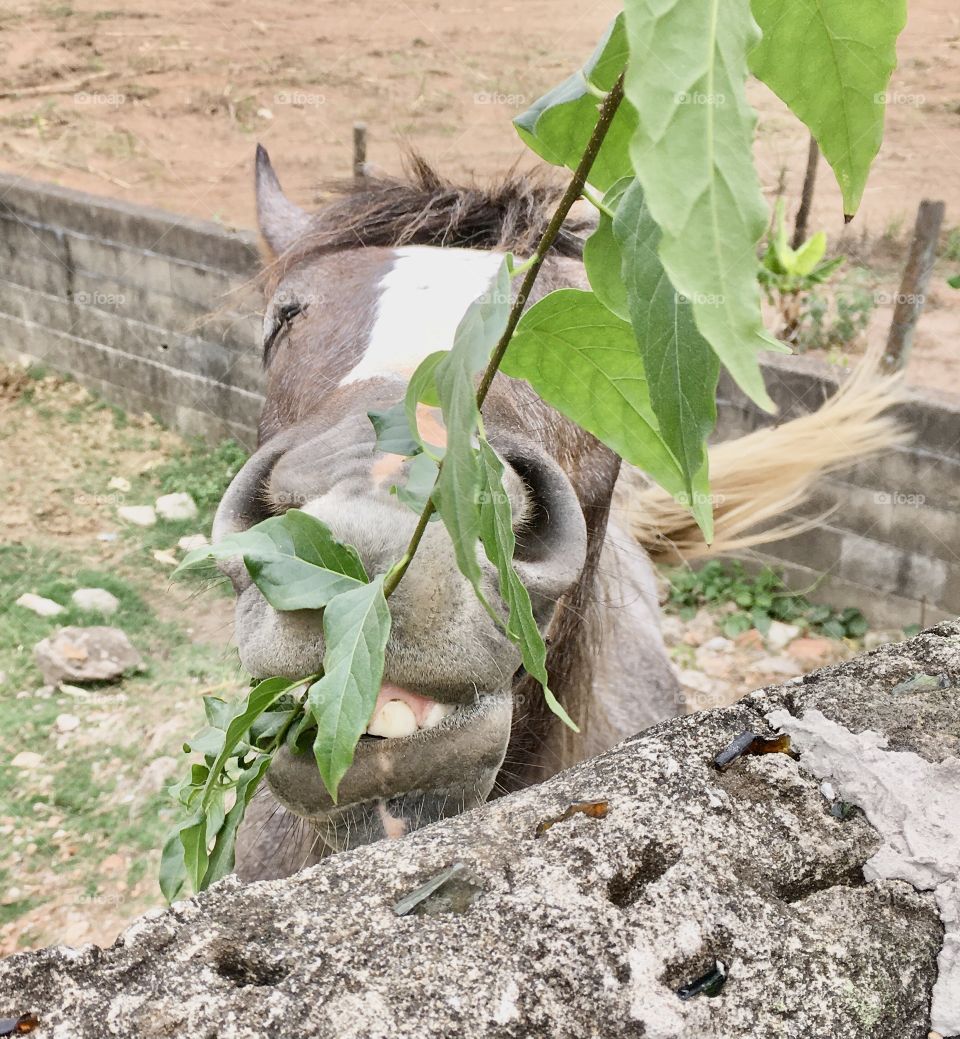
<point>588,930</point>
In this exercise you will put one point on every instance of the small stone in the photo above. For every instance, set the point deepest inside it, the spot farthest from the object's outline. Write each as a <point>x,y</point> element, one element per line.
<point>96,600</point>
<point>780,635</point>
<point>107,535</point>
<point>749,639</point>
<point>166,557</point>
<point>176,507</point>
<point>775,666</point>
<point>672,629</point>
<point>191,542</point>
<point>67,722</point>
<point>811,652</point>
<point>138,515</point>
<point>119,483</point>
<point>27,759</point>
<point>718,644</point>
<point>702,628</point>
<point>39,605</point>
<point>11,896</point>
<point>96,654</point>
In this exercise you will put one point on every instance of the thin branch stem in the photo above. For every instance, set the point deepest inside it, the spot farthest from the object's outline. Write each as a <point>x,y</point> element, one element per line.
<point>608,110</point>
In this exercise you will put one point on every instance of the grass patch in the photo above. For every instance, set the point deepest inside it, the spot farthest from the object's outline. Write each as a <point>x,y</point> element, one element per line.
<point>757,602</point>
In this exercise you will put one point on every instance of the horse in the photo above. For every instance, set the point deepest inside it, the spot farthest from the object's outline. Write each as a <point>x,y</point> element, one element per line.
<point>357,293</point>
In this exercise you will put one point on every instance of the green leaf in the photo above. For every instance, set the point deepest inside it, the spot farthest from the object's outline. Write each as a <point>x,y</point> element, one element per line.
<point>601,257</point>
<point>289,583</point>
<point>954,282</point>
<point>294,560</point>
<point>456,380</point>
<point>356,626</point>
<point>261,698</point>
<point>583,360</point>
<point>422,389</point>
<point>173,870</point>
<point>558,125</point>
<point>223,853</point>
<point>831,61</point>
<point>421,477</point>
<point>692,153</point>
<point>809,254</point>
<point>496,533</point>
<point>392,427</point>
<point>681,368</point>
<point>193,840</point>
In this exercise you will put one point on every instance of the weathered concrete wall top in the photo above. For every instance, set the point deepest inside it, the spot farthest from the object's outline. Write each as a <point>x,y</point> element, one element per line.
<point>593,928</point>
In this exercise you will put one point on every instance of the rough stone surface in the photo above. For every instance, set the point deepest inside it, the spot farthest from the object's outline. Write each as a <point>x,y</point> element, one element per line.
<point>586,931</point>
<point>96,600</point>
<point>176,507</point>
<point>138,515</point>
<point>39,605</point>
<point>96,654</point>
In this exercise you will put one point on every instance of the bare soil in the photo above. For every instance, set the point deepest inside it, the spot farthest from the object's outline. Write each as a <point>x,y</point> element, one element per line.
<point>164,106</point>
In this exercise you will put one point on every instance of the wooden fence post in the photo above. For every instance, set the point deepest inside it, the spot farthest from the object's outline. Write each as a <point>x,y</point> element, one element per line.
<point>359,150</point>
<point>913,286</point>
<point>806,199</point>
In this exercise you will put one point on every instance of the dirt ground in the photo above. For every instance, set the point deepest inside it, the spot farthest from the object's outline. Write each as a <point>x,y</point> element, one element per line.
<point>163,106</point>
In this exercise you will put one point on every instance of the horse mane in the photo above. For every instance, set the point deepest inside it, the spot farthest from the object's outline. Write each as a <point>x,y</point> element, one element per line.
<point>424,208</point>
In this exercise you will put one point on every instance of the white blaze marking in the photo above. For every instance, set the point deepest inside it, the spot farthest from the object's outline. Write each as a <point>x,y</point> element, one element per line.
<point>422,299</point>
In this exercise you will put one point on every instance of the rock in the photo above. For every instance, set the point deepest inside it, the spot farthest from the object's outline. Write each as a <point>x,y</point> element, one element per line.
<point>67,722</point>
<point>107,535</point>
<point>780,635</point>
<point>138,515</point>
<point>588,930</point>
<point>780,666</point>
<point>39,605</point>
<point>701,628</point>
<point>191,542</point>
<point>166,557</point>
<point>96,654</point>
<point>176,507</point>
<point>718,644</point>
<point>154,776</point>
<point>119,483</point>
<point>96,600</point>
<point>749,639</point>
<point>27,759</point>
<point>811,652</point>
<point>672,628</point>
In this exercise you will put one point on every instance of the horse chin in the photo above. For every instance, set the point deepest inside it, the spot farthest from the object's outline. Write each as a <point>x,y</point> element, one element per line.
<point>397,785</point>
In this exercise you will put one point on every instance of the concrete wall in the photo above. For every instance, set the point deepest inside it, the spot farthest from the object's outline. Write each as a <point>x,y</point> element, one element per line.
<point>120,296</point>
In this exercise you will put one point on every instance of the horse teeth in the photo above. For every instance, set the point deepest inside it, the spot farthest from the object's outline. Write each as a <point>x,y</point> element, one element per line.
<point>435,714</point>
<point>393,720</point>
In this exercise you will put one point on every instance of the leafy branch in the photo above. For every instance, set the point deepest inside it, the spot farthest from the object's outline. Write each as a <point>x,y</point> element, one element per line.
<point>574,191</point>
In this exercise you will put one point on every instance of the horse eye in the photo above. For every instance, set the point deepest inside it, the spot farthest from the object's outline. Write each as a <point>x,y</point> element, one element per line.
<point>289,311</point>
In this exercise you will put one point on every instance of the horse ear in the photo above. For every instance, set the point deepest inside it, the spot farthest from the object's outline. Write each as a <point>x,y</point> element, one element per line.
<point>281,222</point>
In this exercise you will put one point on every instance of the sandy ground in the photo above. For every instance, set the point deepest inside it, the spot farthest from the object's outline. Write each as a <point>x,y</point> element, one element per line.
<point>165,106</point>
